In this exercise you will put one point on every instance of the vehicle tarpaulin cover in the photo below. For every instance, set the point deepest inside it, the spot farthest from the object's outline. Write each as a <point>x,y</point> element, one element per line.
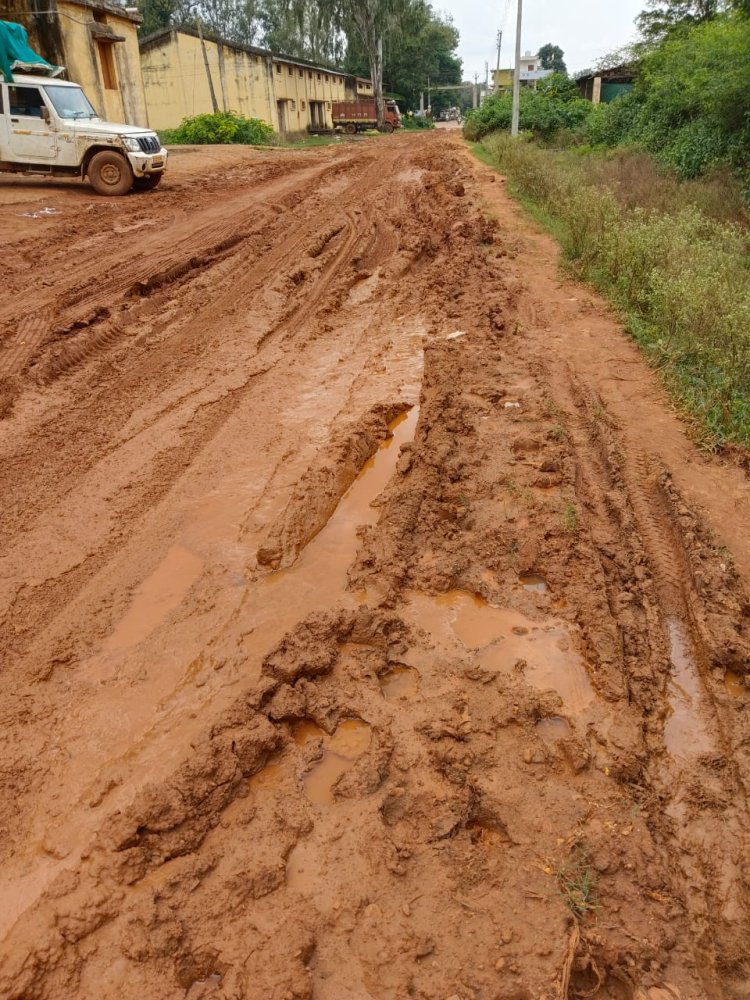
<point>15,53</point>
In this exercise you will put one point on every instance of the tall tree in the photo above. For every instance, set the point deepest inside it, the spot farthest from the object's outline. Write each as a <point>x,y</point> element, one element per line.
<point>662,17</point>
<point>307,28</point>
<point>374,21</point>
<point>156,14</point>
<point>552,57</point>
<point>422,48</point>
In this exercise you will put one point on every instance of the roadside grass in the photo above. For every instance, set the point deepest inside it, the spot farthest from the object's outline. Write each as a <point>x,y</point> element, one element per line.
<point>677,269</point>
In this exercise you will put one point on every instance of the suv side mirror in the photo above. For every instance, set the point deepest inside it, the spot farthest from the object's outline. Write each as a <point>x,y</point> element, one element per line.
<point>45,113</point>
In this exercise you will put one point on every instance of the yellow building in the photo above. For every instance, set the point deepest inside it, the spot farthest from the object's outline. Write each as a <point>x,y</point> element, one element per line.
<point>97,43</point>
<point>290,94</point>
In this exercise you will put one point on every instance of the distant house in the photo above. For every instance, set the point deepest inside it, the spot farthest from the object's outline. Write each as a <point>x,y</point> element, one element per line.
<point>290,94</point>
<point>97,43</point>
<point>604,85</point>
<point>531,73</point>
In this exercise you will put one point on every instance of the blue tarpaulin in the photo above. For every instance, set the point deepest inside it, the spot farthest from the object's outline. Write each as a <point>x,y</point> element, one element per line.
<point>17,54</point>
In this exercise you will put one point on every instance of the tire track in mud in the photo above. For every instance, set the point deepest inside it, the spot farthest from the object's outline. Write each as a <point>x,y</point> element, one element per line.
<point>338,249</point>
<point>438,868</point>
<point>694,835</point>
<point>178,255</point>
<point>43,606</point>
<point>222,243</point>
<point>30,331</point>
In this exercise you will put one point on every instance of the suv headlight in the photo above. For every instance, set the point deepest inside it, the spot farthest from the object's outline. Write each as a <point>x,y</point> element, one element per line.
<point>131,144</point>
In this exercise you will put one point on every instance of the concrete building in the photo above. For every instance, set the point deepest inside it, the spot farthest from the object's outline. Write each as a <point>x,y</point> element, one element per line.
<point>97,43</point>
<point>531,73</point>
<point>290,94</point>
<point>604,85</point>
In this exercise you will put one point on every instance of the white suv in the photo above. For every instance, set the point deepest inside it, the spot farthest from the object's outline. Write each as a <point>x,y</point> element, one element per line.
<point>49,127</point>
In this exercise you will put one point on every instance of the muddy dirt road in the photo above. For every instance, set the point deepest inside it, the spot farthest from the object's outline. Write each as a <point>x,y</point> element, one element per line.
<point>370,626</point>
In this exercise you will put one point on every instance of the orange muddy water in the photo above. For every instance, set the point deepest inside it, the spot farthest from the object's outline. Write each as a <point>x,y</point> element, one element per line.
<point>356,642</point>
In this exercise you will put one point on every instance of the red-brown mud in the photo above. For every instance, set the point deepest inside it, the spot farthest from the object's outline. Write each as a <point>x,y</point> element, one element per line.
<point>363,633</point>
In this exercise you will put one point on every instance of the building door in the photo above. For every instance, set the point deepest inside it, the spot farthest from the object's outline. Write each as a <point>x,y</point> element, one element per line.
<point>317,115</point>
<point>30,137</point>
<point>281,112</point>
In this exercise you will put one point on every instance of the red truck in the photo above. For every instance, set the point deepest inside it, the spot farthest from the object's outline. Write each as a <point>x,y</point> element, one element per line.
<point>356,116</point>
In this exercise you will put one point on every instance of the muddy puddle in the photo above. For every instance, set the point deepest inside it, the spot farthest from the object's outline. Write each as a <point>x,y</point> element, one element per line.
<point>735,685</point>
<point>340,753</point>
<point>505,640</point>
<point>685,730</point>
<point>158,595</point>
<point>553,729</point>
<point>318,578</point>
<point>400,683</point>
<point>533,582</point>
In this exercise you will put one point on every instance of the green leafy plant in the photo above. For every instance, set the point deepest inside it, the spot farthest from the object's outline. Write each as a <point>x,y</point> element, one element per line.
<point>221,127</point>
<point>421,122</point>
<point>553,107</point>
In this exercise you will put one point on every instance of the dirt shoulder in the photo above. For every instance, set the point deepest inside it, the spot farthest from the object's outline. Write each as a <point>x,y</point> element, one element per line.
<point>370,625</point>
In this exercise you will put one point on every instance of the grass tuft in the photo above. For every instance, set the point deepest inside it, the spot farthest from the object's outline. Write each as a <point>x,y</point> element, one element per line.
<point>577,881</point>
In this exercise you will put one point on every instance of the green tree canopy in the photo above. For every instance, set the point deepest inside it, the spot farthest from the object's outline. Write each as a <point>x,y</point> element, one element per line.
<point>423,47</point>
<point>551,57</point>
<point>662,17</point>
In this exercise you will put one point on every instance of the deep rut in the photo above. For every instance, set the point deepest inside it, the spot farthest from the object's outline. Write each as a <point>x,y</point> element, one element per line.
<point>292,745</point>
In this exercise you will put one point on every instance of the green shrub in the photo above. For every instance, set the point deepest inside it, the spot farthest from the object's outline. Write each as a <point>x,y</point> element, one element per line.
<point>553,107</point>
<point>681,277</point>
<point>410,122</point>
<point>691,105</point>
<point>221,127</point>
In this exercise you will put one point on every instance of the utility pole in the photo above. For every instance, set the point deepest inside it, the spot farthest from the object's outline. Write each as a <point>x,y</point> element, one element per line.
<point>214,102</point>
<point>475,101</point>
<point>499,46</point>
<point>517,74</point>
<point>429,97</point>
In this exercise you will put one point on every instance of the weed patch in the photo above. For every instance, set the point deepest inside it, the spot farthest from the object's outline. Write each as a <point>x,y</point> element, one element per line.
<point>577,881</point>
<point>680,277</point>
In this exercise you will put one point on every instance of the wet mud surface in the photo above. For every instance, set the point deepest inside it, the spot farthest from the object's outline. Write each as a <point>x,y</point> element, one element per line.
<point>356,640</point>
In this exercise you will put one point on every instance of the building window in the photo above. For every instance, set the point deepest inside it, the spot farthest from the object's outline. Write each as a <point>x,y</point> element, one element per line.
<point>278,67</point>
<point>107,60</point>
<point>328,105</point>
<point>531,69</point>
<point>303,105</point>
<point>291,71</point>
<point>318,75</point>
<point>301,73</point>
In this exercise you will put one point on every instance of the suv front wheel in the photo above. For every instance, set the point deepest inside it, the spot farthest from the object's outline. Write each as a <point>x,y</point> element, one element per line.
<point>110,173</point>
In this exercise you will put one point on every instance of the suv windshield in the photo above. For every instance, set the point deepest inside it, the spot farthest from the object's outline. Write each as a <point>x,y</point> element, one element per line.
<point>70,102</point>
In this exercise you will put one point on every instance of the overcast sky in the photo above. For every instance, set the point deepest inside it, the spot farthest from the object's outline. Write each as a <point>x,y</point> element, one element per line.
<point>584,29</point>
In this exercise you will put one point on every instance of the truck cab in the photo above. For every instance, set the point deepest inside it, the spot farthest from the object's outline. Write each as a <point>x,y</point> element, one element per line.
<point>48,126</point>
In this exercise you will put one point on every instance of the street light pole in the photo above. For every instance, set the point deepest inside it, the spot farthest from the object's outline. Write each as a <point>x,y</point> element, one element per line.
<point>517,74</point>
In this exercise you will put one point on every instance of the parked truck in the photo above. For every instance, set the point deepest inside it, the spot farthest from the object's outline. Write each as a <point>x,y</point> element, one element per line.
<point>357,116</point>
